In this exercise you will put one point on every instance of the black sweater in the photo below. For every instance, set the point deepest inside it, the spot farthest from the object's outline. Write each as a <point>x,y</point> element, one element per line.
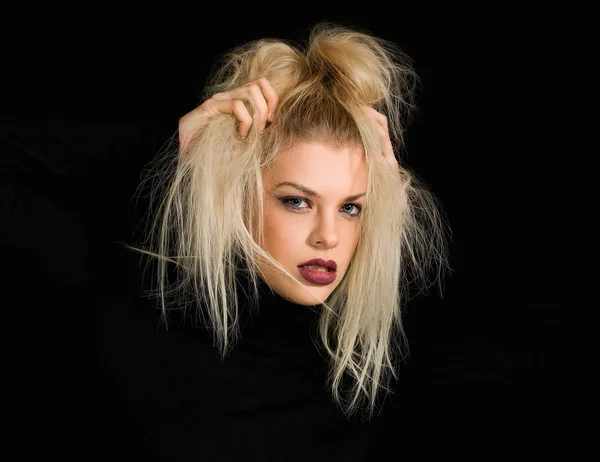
<point>174,397</point>
<point>98,375</point>
<point>90,373</point>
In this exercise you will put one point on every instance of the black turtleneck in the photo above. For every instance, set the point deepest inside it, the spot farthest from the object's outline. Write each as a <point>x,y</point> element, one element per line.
<point>92,372</point>
<point>166,394</point>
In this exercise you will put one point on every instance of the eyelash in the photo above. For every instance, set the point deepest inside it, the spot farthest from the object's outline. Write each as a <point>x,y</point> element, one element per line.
<point>286,202</point>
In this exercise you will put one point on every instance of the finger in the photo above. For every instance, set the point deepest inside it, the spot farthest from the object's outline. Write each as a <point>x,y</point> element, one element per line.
<point>387,149</point>
<point>381,125</point>
<point>259,91</point>
<point>241,112</point>
<point>236,107</point>
<point>196,119</point>
<point>262,95</point>
<point>270,97</point>
<point>260,103</point>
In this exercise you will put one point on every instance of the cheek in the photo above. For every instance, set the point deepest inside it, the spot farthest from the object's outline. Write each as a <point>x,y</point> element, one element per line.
<point>352,240</point>
<point>279,231</point>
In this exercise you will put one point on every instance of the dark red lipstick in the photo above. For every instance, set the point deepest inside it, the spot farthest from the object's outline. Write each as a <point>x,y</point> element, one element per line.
<point>319,276</point>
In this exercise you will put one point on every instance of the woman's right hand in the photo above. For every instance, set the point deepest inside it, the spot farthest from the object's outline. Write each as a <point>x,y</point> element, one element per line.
<point>260,93</point>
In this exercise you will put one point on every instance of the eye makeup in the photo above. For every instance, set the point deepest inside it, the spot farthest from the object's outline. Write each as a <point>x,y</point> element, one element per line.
<point>292,203</point>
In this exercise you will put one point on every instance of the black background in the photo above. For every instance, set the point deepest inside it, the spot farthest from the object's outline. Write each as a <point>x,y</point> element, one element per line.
<point>480,140</point>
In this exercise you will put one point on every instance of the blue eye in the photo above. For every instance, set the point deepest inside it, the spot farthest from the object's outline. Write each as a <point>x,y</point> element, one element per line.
<point>354,210</point>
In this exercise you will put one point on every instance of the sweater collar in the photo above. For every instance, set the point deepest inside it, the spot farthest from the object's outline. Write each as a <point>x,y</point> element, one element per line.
<point>280,323</point>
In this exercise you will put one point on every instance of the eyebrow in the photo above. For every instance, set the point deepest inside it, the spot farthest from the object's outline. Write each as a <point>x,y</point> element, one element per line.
<point>310,192</point>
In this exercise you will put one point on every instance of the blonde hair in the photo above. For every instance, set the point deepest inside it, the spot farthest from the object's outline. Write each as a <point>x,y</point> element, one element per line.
<point>204,232</point>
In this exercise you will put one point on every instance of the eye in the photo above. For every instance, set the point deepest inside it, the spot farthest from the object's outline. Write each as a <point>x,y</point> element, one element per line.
<point>300,203</point>
<point>294,203</point>
<point>354,210</point>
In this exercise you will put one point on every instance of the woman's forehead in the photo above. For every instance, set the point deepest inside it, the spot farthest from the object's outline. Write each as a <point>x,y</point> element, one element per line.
<point>320,166</point>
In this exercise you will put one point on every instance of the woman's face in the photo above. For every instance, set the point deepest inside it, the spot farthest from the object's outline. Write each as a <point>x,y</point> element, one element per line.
<point>313,199</point>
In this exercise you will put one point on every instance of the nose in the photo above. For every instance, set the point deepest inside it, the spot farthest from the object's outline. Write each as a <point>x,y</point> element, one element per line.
<point>325,233</point>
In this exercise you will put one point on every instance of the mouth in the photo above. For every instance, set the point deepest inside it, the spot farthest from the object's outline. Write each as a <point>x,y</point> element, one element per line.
<point>320,264</point>
<point>319,271</point>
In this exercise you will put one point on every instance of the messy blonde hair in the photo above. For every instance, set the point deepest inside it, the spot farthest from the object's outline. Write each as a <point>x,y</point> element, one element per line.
<point>204,229</point>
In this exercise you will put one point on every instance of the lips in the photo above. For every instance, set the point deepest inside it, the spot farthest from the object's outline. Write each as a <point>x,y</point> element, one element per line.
<point>330,264</point>
<point>316,276</point>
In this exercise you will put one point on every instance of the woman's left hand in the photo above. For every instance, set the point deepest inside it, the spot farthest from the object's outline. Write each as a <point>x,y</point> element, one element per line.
<point>381,123</point>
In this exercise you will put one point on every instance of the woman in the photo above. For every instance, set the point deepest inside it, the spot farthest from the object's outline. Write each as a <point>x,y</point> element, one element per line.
<point>283,238</point>
<point>289,173</point>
